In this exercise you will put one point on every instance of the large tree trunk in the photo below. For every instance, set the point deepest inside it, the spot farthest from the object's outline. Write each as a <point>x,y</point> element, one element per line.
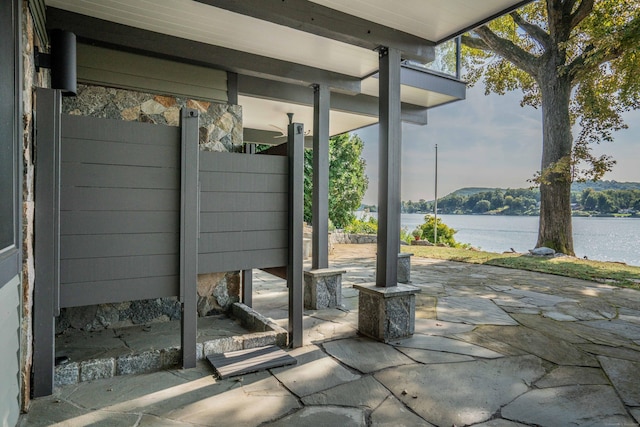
<point>555,190</point>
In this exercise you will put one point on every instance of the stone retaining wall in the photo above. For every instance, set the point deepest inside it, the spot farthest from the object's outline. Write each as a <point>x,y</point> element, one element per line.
<point>341,237</point>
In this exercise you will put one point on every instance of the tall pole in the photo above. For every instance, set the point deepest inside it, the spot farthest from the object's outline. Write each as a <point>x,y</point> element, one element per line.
<point>435,206</point>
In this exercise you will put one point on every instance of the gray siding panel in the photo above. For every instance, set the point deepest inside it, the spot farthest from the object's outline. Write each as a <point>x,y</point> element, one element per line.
<point>111,176</point>
<point>98,129</point>
<point>243,202</point>
<point>241,260</point>
<point>118,199</point>
<point>241,182</point>
<point>10,351</point>
<point>128,222</point>
<point>239,240</point>
<point>247,221</point>
<point>109,67</point>
<point>113,291</point>
<point>118,153</point>
<point>120,211</point>
<point>232,162</point>
<point>243,211</point>
<point>114,245</point>
<point>117,268</point>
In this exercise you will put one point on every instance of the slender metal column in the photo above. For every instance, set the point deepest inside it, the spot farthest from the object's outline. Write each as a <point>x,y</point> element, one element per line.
<point>47,248</point>
<point>320,243</point>
<point>189,229</point>
<point>389,170</point>
<point>295,152</point>
<point>247,275</point>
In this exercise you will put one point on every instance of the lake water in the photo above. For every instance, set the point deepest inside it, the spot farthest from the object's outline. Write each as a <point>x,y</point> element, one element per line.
<point>604,239</point>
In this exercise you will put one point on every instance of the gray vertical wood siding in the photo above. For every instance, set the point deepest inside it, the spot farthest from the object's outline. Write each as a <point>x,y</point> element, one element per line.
<point>243,212</point>
<point>119,211</point>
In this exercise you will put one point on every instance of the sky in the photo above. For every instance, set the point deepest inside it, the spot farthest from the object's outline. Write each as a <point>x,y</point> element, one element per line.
<point>484,141</point>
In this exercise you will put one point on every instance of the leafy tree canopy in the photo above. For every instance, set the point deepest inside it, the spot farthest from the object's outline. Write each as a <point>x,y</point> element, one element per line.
<point>347,180</point>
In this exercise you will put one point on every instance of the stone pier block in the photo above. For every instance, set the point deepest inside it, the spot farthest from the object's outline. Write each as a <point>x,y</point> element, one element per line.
<point>404,267</point>
<point>386,314</point>
<point>323,288</point>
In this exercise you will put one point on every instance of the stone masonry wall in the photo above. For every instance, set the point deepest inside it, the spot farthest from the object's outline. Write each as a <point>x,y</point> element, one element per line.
<point>31,80</point>
<point>220,130</point>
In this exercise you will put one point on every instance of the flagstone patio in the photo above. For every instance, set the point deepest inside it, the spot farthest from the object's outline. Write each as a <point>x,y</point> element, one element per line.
<point>492,347</point>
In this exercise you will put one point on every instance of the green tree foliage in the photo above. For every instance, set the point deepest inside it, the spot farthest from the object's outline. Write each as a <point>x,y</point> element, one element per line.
<point>347,180</point>
<point>578,60</point>
<point>518,201</point>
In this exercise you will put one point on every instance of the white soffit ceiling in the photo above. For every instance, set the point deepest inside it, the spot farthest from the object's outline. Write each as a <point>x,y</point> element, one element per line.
<point>199,22</point>
<point>272,115</point>
<point>433,20</point>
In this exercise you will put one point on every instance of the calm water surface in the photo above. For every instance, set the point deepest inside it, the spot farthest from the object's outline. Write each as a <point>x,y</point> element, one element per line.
<point>604,239</point>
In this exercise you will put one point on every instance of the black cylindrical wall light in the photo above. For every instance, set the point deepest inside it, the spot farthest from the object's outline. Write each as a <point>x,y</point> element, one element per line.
<point>61,61</point>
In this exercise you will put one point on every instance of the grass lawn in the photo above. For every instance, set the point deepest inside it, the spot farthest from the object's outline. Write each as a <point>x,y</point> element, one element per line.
<point>613,273</point>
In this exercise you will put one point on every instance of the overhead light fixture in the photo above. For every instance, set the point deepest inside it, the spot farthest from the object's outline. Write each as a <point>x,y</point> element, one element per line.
<point>61,61</point>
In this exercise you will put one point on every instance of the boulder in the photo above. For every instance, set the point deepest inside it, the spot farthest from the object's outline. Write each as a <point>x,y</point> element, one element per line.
<point>542,251</point>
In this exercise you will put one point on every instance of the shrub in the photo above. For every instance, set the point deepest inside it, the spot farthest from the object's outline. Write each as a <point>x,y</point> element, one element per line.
<point>366,225</point>
<point>445,233</point>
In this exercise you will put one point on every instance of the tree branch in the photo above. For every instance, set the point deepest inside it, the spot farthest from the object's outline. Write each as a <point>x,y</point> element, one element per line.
<point>475,43</point>
<point>533,30</point>
<point>509,51</point>
<point>583,10</point>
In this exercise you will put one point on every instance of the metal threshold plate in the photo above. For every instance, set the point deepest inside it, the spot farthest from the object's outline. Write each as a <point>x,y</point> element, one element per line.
<point>247,361</point>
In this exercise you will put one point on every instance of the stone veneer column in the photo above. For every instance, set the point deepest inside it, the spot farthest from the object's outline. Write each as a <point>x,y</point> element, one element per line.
<point>386,314</point>
<point>323,288</point>
<point>404,267</point>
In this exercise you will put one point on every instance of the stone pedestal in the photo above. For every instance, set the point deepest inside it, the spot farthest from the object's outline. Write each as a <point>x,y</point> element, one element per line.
<point>404,267</point>
<point>386,314</point>
<point>323,288</point>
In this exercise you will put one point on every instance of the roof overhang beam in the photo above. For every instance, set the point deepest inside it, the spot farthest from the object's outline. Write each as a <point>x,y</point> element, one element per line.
<point>111,34</point>
<point>359,104</point>
<point>322,21</point>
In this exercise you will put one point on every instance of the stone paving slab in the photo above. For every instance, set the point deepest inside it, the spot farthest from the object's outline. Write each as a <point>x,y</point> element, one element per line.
<point>616,352</point>
<point>499,422</point>
<point>365,392</point>
<point>316,371</point>
<point>366,355</point>
<point>440,327</point>
<point>473,311</point>
<point>446,345</point>
<point>573,375</point>
<point>588,405</point>
<point>562,330</point>
<point>323,416</point>
<point>539,344</point>
<point>625,377</point>
<point>421,387</point>
<point>392,413</point>
<point>429,356</point>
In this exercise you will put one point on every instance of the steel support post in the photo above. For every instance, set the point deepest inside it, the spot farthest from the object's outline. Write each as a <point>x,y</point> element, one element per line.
<point>320,241</point>
<point>47,248</point>
<point>390,150</point>
<point>189,229</point>
<point>247,275</point>
<point>295,152</point>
